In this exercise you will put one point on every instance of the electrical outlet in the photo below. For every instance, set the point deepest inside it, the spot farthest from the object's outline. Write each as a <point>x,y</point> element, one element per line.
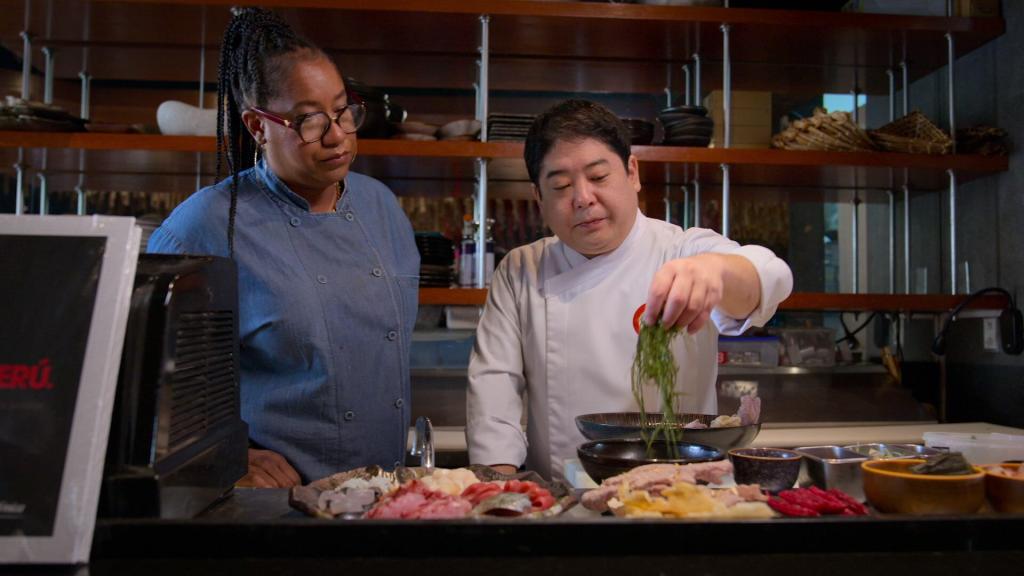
<point>990,335</point>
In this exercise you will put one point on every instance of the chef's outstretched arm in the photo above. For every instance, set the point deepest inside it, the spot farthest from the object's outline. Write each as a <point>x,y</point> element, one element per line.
<point>685,291</point>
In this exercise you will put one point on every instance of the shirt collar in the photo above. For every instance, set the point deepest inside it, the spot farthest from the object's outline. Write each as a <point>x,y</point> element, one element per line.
<point>281,191</point>
<point>575,258</point>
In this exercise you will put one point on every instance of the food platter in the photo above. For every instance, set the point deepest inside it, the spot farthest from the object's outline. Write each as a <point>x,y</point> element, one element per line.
<point>420,493</point>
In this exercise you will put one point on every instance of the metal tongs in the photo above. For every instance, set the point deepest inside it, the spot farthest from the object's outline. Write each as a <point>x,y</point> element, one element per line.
<point>423,442</point>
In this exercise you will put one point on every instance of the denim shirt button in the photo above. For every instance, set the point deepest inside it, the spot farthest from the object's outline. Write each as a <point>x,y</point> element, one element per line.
<point>321,279</point>
<point>350,415</point>
<point>349,216</point>
<point>377,272</point>
<point>295,221</point>
<point>392,335</point>
<point>399,403</point>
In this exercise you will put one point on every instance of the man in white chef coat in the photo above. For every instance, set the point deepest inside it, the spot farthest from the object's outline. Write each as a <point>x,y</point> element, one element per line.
<point>558,328</point>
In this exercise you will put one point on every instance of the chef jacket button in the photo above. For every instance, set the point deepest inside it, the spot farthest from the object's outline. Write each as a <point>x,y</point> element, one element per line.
<point>392,335</point>
<point>377,272</point>
<point>350,415</point>
<point>295,221</point>
<point>349,216</point>
<point>321,279</point>
<point>399,403</point>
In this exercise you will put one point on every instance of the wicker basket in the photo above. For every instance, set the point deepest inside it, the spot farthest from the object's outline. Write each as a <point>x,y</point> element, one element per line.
<point>832,132</point>
<point>913,133</point>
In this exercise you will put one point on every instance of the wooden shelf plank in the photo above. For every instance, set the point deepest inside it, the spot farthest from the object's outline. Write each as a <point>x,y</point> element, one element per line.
<point>514,150</point>
<point>420,43</point>
<point>453,296</point>
<point>810,301</point>
<point>613,11</point>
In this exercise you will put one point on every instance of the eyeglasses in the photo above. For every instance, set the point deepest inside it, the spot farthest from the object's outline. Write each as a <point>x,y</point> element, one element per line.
<point>314,126</point>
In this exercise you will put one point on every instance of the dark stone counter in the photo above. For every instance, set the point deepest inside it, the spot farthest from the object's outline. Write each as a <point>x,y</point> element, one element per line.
<point>256,532</point>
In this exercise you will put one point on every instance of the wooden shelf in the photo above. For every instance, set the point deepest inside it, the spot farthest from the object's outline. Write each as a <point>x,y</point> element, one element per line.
<point>810,301</point>
<point>417,43</point>
<point>514,150</point>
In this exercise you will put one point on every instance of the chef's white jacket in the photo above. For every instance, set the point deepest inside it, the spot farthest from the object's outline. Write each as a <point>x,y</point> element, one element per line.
<point>557,333</point>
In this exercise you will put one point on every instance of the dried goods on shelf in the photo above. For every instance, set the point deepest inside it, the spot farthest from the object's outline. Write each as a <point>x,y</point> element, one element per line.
<point>914,134</point>
<point>827,131</point>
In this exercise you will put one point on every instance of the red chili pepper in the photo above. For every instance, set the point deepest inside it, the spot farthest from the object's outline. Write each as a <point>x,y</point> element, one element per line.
<point>790,509</point>
<point>851,502</point>
<point>838,503</point>
<point>807,499</point>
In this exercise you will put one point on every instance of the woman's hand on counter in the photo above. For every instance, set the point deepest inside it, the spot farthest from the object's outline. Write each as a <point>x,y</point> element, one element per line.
<point>268,469</point>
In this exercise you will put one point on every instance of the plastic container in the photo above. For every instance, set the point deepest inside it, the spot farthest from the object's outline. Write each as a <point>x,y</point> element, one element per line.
<point>748,351</point>
<point>990,448</point>
<point>809,346</point>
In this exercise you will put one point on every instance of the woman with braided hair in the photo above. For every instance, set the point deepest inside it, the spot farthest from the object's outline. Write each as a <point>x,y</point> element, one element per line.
<point>327,263</point>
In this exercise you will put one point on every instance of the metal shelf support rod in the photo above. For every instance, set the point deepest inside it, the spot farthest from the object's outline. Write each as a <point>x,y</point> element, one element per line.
<point>481,191</point>
<point>49,53</point>
<point>906,239</point>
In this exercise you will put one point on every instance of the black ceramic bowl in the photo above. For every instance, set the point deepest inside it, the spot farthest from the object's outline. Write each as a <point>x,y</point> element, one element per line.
<point>698,110</point>
<point>606,458</point>
<point>774,469</point>
<point>608,425</point>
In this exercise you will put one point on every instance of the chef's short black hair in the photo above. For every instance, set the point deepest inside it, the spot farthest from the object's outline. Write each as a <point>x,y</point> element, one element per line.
<point>573,120</point>
<point>257,51</point>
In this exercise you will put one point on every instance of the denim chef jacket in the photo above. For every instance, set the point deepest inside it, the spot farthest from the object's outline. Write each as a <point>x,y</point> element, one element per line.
<point>327,304</point>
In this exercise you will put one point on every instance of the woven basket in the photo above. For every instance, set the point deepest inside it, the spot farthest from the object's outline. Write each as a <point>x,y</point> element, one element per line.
<point>914,134</point>
<point>832,132</point>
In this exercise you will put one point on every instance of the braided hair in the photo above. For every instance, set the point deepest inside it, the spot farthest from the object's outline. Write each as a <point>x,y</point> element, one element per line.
<point>257,46</point>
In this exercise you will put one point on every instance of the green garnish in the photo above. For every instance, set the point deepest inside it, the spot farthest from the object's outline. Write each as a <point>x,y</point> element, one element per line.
<point>655,364</point>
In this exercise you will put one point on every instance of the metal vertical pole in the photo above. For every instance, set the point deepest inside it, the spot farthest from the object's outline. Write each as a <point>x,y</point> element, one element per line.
<point>905,73</point>
<point>855,93</point>
<point>892,93</point>
<point>725,200</point>
<point>952,231</point>
<point>202,90</point>
<point>855,243</point>
<point>951,86</point>
<point>686,206</point>
<point>906,239</point>
<point>481,196</point>
<point>686,84</point>
<point>696,200</point>
<point>48,78</point>
<point>26,62</point>
<point>668,97</point>
<point>86,80</point>
<point>696,80</point>
<point>726,88</point>
<point>44,200</point>
<point>19,185</point>
<point>892,240</point>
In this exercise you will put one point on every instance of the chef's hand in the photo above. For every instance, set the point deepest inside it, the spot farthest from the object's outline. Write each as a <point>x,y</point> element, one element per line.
<point>686,290</point>
<point>268,469</point>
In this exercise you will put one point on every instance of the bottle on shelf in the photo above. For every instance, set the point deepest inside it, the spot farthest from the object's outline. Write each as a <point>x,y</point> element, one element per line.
<point>489,254</point>
<point>467,253</point>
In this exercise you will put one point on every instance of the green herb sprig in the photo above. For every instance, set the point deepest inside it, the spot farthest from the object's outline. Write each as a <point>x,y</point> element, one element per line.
<point>654,363</point>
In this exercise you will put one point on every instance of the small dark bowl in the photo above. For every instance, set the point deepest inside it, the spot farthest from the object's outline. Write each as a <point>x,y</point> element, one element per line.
<point>697,110</point>
<point>606,458</point>
<point>774,469</point>
<point>641,131</point>
<point>608,425</point>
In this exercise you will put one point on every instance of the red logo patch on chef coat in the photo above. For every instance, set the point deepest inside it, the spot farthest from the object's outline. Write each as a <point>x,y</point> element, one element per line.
<point>636,317</point>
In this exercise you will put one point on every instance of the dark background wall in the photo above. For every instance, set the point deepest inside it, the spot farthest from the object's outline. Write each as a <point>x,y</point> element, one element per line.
<point>982,385</point>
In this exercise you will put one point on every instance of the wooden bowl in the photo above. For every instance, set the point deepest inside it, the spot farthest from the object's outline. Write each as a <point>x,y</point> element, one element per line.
<point>890,487</point>
<point>1005,493</point>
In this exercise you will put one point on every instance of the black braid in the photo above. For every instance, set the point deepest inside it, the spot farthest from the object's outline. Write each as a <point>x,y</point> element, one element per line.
<point>250,69</point>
